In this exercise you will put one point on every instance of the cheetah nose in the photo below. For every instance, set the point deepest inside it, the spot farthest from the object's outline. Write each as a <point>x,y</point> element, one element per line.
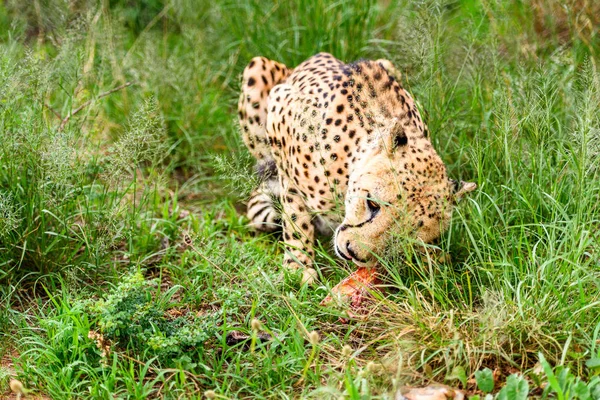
<point>341,253</point>
<point>350,251</point>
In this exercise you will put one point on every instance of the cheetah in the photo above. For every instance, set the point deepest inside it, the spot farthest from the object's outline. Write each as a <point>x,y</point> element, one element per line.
<point>341,149</point>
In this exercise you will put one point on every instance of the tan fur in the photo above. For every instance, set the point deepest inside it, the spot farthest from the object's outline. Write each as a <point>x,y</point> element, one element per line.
<point>341,136</point>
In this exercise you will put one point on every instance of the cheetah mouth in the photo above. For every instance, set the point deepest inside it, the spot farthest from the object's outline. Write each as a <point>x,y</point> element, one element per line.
<point>351,256</point>
<point>341,254</point>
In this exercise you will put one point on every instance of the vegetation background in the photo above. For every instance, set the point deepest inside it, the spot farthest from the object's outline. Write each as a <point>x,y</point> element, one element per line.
<point>125,263</point>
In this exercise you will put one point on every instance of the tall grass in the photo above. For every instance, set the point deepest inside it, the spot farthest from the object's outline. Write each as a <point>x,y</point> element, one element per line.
<point>140,181</point>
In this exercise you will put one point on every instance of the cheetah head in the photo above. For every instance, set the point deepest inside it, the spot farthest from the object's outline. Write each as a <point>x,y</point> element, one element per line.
<point>400,186</point>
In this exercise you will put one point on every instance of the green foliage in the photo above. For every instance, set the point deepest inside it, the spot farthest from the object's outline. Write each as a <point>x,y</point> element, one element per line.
<point>136,16</point>
<point>57,208</point>
<point>458,373</point>
<point>593,363</point>
<point>564,385</point>
<point>135,315</point>
<point>236,173</point>
<point>60,343</point>
<point>289,30</point>
<point>516,388</point>
<point>143,144</point>
<point>485,380</point>
<point>4,378</point>
<point>558,382</point>
<point>9,215</point>
<point>150,177</point>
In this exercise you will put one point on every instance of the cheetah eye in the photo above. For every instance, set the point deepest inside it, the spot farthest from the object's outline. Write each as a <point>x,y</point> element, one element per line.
<point>374,206</point>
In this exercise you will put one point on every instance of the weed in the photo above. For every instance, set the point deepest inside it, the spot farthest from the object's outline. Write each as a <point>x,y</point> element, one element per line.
<point>136,317</point>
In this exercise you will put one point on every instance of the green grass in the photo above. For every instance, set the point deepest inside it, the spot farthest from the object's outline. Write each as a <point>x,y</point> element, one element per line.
<point>125,220</point>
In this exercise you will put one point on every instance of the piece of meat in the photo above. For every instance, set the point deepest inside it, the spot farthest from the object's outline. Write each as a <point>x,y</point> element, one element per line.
<point>355,287</point>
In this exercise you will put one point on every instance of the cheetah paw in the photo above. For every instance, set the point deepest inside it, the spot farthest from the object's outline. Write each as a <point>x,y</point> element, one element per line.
<point>309,275</point>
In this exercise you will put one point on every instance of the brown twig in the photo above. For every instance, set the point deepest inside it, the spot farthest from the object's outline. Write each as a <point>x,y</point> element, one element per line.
<point>87,103</point>
<point>211,262</point>
<point>54,111</point>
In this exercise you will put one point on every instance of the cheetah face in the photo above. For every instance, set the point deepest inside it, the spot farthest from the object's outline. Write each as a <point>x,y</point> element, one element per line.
<point>402,188</point>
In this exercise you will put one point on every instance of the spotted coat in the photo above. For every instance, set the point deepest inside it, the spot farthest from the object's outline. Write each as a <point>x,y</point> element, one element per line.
<point>341,147</point>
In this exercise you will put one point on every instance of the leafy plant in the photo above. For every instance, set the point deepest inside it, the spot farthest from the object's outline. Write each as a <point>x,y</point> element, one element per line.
<point>558,383</point>
<point>516,388</point>
<point>135,315</point>
<point>565,386</point>
<point>458,373</point>
<point>485,380</point>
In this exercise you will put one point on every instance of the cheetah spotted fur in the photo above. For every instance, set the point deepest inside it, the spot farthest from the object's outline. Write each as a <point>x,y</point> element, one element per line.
<point>337,140</point>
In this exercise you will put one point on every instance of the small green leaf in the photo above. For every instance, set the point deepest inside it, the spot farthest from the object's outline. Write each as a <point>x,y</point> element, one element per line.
<point>516,388</point>
<point>351,388</point>
<point>581,390</point>
<point>552,379</point>
<point>485,380</point>
<point>458,373</point>
<point>594,389</point>
<point>593,363</point>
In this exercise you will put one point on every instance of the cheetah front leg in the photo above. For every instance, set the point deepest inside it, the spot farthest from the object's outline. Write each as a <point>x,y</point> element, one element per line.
<point>264,210</point>
<point>298,234</point>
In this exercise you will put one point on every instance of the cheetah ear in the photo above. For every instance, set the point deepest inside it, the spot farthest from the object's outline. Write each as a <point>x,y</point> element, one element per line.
<point>389,67</point>
<point>461,188</point>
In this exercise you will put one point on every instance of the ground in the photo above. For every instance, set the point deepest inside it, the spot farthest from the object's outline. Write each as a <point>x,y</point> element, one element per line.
<point>127,269</point>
